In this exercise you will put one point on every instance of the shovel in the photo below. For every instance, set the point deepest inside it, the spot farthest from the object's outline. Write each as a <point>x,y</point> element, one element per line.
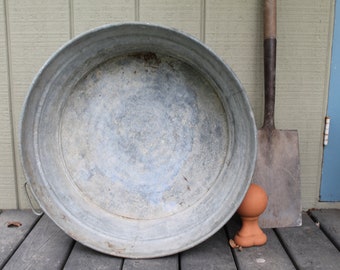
<point>277,167</point>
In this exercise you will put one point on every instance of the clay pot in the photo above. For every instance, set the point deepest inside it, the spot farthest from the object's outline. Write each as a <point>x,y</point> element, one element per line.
<point>252,206</point>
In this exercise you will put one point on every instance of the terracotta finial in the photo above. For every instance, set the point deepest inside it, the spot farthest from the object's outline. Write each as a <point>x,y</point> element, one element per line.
<point>252,206</point>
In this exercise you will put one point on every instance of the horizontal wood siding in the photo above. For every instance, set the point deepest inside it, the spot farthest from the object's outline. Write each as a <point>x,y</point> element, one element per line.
<point>31,30</point>
<point>36,29</point>
<point>88,14</point>
<point>7,173</point>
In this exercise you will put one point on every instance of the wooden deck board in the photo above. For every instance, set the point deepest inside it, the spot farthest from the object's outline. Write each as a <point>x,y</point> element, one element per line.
<point>164,263</point>
<point>309,247</point>
<point>85,258</point>
<point>214,253</point>
<point>271,256</point>
<point>46,247</point>
<point>11,237</point>
<point>40,244</point>
<point>329,220</point>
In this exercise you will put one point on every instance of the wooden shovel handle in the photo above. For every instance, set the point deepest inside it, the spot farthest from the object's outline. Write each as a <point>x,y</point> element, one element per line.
<point>269,19</point>
<point>269,44</point>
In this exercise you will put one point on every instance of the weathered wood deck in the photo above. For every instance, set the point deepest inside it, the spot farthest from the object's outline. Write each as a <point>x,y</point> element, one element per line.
<point>40,244</point>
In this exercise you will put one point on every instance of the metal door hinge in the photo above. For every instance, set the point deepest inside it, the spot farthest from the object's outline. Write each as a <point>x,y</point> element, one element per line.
<point>326,130</point>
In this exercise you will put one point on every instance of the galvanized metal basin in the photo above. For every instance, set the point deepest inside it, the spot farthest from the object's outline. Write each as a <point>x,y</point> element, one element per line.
<point>137,140</point>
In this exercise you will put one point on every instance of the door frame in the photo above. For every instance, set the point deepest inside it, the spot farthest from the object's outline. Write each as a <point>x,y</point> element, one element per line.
<point>331,153</point>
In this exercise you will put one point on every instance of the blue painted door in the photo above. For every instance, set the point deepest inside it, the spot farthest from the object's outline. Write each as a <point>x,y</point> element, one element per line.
<point>330,184</point>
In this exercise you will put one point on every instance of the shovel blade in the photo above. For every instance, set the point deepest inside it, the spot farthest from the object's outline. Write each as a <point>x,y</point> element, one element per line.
<point>277,170</point>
